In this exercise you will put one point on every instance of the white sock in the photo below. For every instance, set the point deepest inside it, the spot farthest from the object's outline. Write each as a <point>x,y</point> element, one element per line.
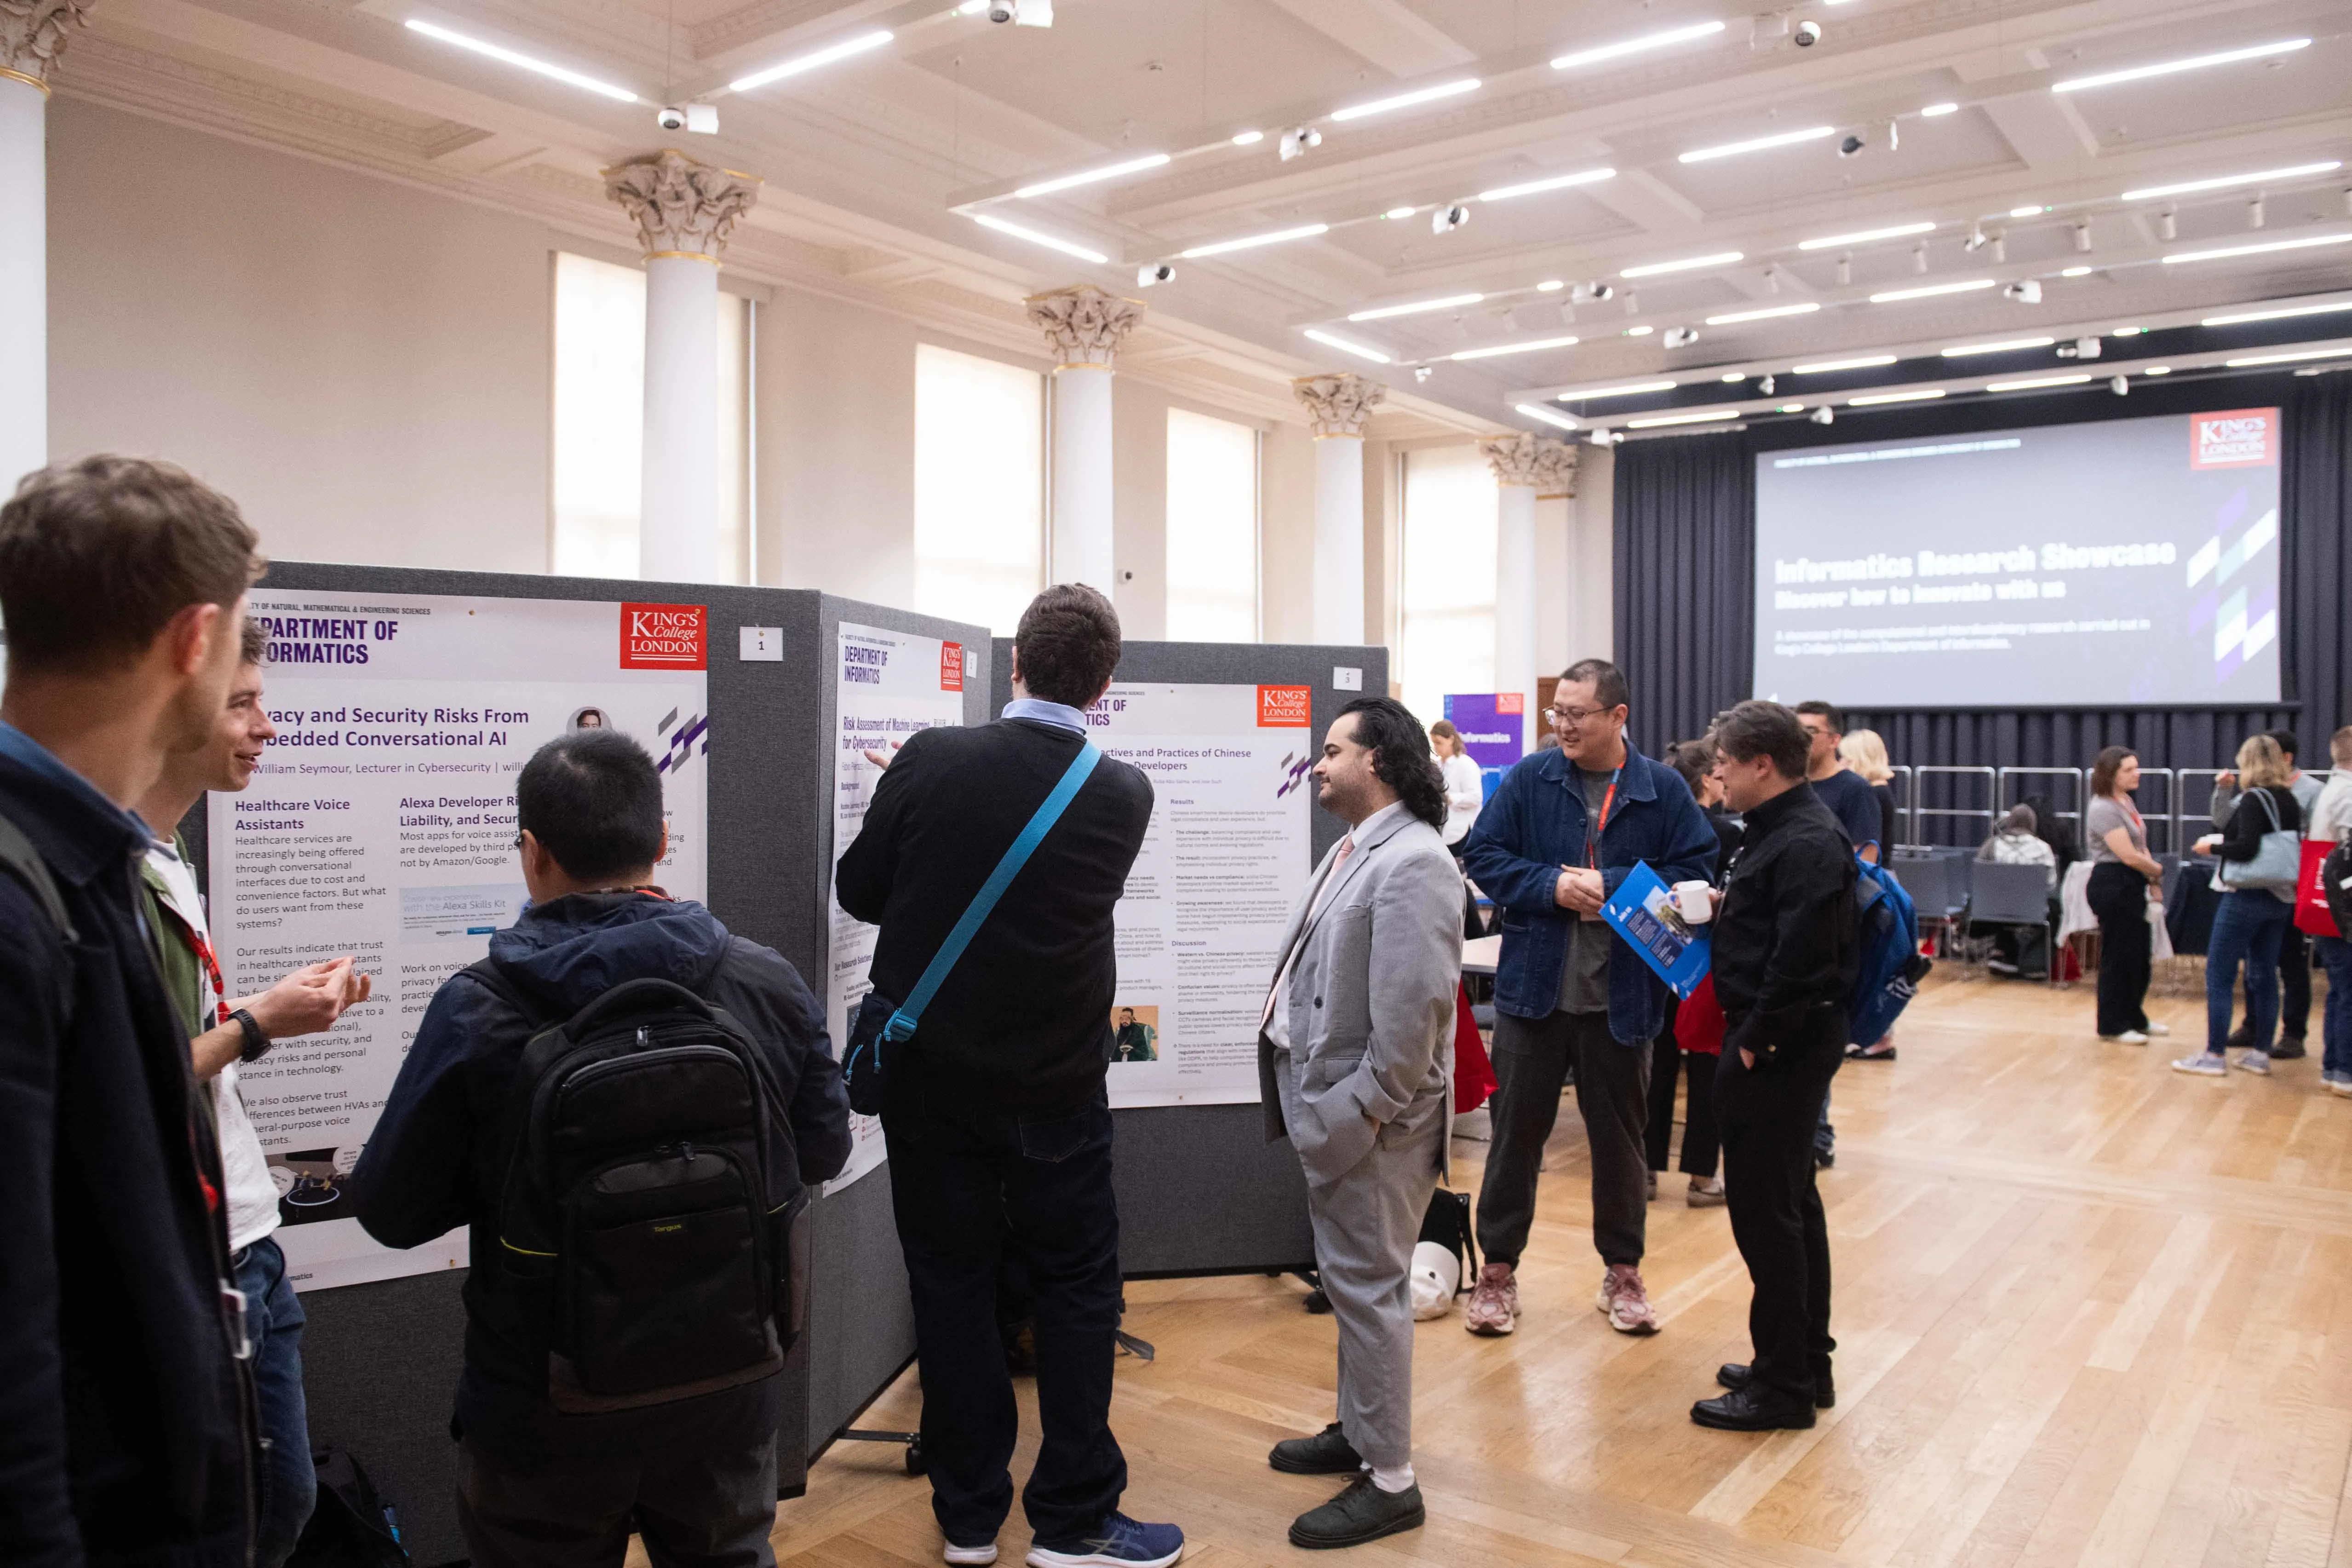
<point>1395,1480</point>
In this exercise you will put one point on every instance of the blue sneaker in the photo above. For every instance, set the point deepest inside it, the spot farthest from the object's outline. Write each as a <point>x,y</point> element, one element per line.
<point>1120,1543</point>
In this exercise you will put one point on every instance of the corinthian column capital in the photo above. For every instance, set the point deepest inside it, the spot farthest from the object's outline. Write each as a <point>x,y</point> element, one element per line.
<point>681,207</point>
<point>1538,462</point>
<point>1338,403</point>
<point>33,34</point>
<point>1083,325</point>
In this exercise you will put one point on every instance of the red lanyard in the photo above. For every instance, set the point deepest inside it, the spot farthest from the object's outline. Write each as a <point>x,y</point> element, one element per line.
<point>1593,834</point>
<point>202,947</point>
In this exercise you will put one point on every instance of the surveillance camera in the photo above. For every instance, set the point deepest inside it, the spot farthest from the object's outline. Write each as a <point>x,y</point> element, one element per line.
<point>1825,414</point>
<point>1808,34</point>
<point>1589,293</point>
<point>1145,277</point>
<point>1422,372</point>
<point>1448,219</point>
<point>2025,291</point>
<point>1299,139</point>
<point>2120,385</point>
<point>1680,337</point>
<point>670,118</point>
<point>1851,146</point>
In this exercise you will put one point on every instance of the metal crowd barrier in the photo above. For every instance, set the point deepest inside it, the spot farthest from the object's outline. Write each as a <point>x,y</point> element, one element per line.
<point>1906,796</point>
<point>1989,777</point>
<point>2074,776</point>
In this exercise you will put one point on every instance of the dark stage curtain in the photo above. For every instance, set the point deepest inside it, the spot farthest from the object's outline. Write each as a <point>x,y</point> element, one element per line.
<point>1685,531</point>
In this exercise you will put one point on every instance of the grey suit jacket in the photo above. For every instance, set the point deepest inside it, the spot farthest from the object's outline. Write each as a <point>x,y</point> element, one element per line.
<point>1372,999</point>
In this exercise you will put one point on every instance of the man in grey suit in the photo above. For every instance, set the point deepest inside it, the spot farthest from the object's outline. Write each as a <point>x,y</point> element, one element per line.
<point>1354,1066</point>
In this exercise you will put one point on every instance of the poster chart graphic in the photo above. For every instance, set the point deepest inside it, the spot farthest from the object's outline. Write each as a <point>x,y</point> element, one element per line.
<point>382,824</point>
<point>1229,851</point>
<point>886,687</point>
<point>1493,727</point>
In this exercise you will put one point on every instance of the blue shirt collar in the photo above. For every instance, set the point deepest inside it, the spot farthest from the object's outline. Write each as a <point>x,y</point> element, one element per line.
<point>1059,714</point>
<point>34,757</point>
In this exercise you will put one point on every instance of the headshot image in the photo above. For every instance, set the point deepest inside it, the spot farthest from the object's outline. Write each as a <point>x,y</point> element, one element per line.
<point>1134,1034</point>
<point>590,718</point>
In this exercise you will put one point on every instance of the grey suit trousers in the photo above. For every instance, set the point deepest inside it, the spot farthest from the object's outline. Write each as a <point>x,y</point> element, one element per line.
<point>1366,1224</point>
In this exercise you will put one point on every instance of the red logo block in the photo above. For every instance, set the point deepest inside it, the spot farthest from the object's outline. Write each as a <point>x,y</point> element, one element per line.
<point>1284,707</point>
<point>1511,703</point>
<point>2240,438</point>
<point>951,667</point>
<point>664,636</point>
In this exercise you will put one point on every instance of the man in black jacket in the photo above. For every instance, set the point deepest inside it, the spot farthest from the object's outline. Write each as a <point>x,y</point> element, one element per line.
<point>695,1476</point>
<point>126,1429</point>
<point>1785,955</point>
<point>997,1124</point>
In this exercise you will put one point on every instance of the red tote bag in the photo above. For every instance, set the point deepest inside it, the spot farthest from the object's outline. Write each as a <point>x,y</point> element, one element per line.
<point>2312,915</point>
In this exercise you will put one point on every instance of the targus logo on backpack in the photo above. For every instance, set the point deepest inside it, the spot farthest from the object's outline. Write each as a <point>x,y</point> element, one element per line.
<point>664,636</point>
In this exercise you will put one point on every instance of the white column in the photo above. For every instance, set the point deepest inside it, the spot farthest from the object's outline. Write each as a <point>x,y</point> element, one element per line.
<point>32,35</point>
<point>1338,409</point>
<point>1084,326</point>
<point>683,211</point>
<point>1524,465</point>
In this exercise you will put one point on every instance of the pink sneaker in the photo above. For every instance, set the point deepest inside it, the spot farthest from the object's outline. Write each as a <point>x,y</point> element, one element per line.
<point>1625,1300</point>
<point>1494,1301</point>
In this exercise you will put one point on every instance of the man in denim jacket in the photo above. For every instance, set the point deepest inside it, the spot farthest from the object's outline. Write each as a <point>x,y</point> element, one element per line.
<point>1557,840</point>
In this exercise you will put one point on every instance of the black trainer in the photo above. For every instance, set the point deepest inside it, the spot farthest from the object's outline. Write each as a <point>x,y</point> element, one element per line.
<point>1740,1374</point>
<point>1361,1513</point>
<point>1754,1409</point>
<point>1327,1453</point>
<point>2288,1048</point>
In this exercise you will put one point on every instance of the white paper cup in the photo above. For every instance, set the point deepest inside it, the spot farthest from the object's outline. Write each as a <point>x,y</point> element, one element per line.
<point>1696,900</point>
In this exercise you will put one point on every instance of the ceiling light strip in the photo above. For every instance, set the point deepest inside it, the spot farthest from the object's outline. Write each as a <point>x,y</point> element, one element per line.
<point>2168,67</point>
<point>1687,264</point>
<point>1068,248</point>
<point>509,57</point>
<point>1758,144</point>
<point>1872,399</point>
<point>1560,421</point>
<point>1628,390</point>
<point>2006,346</point>
<point>1493,350</point>
<point>2241,317</point>
<point>1864,362</point>
<point>1763,312</point>
<point>1558,183</point>
<point>1643,44</point>
<point>2228,251</point>
<point>2030,383</point>
<point>1929,290</point>
<point>1700,418</point>
<point>1093,177</point>
<point>1382,312</point>
<point>810,61</point>
<point>1864,237</point>
<point>2286,358</point>
<point>1406,99</point>
<point>1937,110</point>
<point>1252,241</point>
<point>2224,182</point>
<point>1348,346</point>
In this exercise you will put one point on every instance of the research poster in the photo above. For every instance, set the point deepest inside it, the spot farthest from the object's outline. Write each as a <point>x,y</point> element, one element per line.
<point>382,824</point>
<point>1229,850</point>
<point>886,687</point>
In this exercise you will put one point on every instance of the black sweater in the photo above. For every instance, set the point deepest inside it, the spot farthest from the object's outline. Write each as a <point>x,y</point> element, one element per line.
<point>1024,1021</point>
<point>1785,939</point>
<point>2242,839</point>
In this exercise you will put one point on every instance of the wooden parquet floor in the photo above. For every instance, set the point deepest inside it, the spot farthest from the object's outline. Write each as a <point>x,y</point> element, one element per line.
<point>2089,1312</point>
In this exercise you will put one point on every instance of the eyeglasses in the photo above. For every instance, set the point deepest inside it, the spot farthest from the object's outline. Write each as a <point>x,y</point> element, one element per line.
<point>1573,718</point>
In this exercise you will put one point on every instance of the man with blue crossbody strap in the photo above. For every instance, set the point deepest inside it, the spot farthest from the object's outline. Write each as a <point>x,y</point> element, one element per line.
<point>993,1102</point>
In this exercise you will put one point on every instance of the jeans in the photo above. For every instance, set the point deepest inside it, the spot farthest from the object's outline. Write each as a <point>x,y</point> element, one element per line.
<point>273,1323</point>
<point>2336,956</point>
<point>2293,983</point>
<point>969,1184</point>
<point>2118,895</point>
<point>1768,1114</point>
<point>698,1509</point>
<point>2248,927</point>
<point>1532,1058</point>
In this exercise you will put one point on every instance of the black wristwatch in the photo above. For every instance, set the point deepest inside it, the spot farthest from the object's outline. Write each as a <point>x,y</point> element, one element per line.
<point>257,1044</point>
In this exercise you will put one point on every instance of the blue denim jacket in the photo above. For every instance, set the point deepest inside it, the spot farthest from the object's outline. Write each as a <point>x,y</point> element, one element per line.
<point>1532,828</point>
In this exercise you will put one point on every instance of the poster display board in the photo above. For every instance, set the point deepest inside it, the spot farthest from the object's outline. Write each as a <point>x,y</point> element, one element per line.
<point>1228,853</point>
<point>381,824</point>
<point>1493,726</point>
<point>887,686</point>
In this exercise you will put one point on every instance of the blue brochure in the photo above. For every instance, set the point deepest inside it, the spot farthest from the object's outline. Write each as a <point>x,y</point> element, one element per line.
<point>1642,912</point>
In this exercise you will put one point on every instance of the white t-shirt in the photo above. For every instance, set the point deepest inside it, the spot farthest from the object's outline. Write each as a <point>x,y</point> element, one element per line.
<point>252,1196</point>
<point>2329,816</point>
<point>1466,791</point>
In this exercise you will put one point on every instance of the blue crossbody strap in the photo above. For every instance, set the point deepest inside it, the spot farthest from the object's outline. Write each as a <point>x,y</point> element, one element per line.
<point>901,1026</point>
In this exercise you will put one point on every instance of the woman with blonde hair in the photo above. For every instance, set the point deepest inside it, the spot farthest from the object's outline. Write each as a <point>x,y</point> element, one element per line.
<point>2252,920</point>
<point>1865,754</point>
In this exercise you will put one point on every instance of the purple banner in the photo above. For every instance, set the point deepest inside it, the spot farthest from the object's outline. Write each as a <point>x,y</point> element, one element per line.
<point>1491,724</point>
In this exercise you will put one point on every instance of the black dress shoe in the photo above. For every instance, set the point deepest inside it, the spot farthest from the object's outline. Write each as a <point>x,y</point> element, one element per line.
<point>1327,1453</point>
<point>1317,1302</point>
<point>2289,1048</point>
<point>1754,1409</point>
<point>1361,1513</point>
<point>1740,1374</point>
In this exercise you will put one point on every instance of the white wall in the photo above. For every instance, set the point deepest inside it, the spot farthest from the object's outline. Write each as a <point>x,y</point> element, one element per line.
<point>362,366</point>
<point>1585,588</point>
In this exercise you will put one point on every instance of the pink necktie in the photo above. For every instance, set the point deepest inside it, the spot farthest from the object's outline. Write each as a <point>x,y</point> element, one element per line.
<point>1322,894</point>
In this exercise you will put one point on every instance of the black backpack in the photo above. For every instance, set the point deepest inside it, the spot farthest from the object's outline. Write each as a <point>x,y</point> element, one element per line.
<point>352,1525</point>
<point>643,1223</point>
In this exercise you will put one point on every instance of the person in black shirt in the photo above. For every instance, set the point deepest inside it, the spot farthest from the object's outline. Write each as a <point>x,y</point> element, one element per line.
<point>1848,795</point>
<point>995,1116</point>
<point>1785,955</point>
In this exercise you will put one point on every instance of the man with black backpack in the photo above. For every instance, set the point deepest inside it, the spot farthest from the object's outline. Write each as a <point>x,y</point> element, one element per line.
<point>626,1102</point>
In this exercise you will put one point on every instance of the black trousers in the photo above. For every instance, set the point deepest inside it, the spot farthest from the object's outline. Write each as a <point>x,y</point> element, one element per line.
<point>1768,1114</point>
<point>698,1510</point>
<point>2119,897</point>
<point>1701,1144</point>
<point>968,1185</point>
<point>1532,1061</point>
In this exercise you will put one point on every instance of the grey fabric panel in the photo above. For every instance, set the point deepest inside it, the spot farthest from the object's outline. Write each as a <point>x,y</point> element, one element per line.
<point>1200,1189</point>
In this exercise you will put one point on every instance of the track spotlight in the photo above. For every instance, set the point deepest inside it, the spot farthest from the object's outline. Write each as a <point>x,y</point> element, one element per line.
<point>1977,239</point>
<point>1765,386</point>
<point>1680,337</point>
<point>1852,147</point>
<point>2024,291</point>
<point>1422,372</point>
<point>1297,140</point>
<point>2254,212</point>
<point>2001,247</point>
<point>2120,385</point>
<point>2080,348</point>
<point>1919,258</point>
<point>1845,267</point>
<point>2167,224</point>
<point>2083,237</point>
<point>1158,272</point>
<point>1589,293</point>
<point>1825,414</point>
<point>1448,219</point>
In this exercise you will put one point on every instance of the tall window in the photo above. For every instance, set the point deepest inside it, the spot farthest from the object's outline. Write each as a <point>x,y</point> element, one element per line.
<point>600,422</point>
<point>1212,548</point>
<point>1448,568</point>
<point>980,488</point>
